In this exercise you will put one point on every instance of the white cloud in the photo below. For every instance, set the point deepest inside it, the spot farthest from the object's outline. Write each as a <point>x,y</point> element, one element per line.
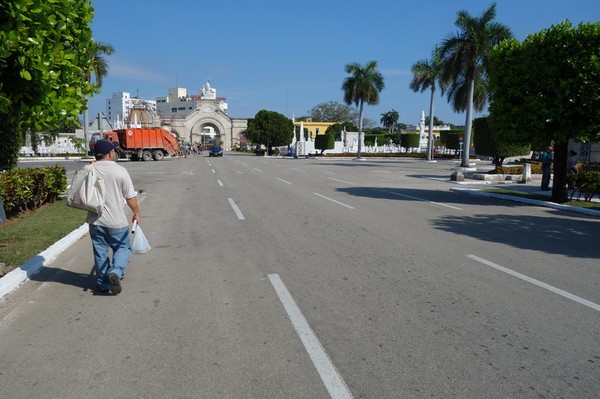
<point>120,69</point>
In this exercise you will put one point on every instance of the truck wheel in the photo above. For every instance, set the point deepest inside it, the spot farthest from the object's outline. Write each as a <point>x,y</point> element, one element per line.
<point>146,156</point>
<point>158,155</point>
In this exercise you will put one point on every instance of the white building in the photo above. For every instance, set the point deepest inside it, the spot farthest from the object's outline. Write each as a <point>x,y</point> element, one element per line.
<point>178,104</point>
<point>120,105</point>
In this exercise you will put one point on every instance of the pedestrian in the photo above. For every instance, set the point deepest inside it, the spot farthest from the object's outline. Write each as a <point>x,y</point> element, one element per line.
<point>572,162</point>
<point>109,230</point>
<point>546,158</point>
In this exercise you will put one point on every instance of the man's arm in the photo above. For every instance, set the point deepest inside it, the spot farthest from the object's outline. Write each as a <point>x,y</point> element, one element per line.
<point>133,205</point>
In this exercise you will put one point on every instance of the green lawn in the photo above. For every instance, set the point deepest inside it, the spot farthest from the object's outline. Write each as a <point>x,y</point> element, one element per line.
<point>33,232</point>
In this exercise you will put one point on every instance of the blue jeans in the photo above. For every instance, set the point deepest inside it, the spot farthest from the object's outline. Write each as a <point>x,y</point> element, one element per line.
<point>104,238</point>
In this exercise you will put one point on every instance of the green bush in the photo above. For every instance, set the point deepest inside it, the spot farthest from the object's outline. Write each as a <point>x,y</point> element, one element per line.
<point>410,140</point>
<point>585,182</point>
<point>324,142</point>
<point>27,189</point>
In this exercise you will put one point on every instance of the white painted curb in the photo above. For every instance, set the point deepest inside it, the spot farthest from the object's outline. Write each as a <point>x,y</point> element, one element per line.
<point>13,279</point>
<point>547,204</point>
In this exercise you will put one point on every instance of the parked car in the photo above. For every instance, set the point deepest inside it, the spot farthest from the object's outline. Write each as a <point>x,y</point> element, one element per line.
<point>215,151</point>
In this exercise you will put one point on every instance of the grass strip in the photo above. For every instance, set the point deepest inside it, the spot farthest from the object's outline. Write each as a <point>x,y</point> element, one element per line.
<point>29,234</point>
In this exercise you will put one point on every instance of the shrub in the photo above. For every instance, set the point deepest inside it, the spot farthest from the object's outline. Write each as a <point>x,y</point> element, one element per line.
<point>586,182</point>
<point>27,189</point>
<point>410,140</point>
<point>325,142</point>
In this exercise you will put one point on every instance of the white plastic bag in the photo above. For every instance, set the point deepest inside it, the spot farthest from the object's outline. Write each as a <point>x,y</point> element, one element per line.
<point>86,191</point>
<point>140,244</point>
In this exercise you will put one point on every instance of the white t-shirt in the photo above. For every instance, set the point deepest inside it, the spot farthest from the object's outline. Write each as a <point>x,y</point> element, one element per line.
<point>119,187</point>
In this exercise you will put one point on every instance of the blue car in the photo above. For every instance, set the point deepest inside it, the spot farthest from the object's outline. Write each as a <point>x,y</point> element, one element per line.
<point>215,151</point>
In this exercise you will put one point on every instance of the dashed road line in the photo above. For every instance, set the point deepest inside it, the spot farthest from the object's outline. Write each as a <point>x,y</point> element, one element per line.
<point>424,200</point>
<point>334,201</point>
<point>539,283</point>
<point>330,376</point>
<point>341,181</point>
<point>237,211</point>
<point>286,182</point>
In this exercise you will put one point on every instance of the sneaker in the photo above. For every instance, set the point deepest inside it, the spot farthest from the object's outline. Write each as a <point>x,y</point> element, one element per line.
<point>115,283</point>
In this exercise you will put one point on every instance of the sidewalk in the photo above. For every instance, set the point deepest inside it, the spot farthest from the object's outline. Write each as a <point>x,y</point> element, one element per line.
<point>474,188</point>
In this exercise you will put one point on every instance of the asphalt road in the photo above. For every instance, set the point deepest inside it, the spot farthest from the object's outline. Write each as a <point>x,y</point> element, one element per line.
<point>295,278</point>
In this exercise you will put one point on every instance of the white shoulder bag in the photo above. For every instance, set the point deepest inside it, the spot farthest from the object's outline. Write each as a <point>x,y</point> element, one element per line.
<point>86,191</point>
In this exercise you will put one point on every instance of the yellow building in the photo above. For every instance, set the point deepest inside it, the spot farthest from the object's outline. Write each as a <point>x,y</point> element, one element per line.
<point>315,127</point>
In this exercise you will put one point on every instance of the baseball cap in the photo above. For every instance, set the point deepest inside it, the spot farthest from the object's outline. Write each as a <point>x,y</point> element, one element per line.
<point>103,147</point>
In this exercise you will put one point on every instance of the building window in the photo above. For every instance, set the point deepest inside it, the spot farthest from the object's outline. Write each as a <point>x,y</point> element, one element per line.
<point>173,109</point>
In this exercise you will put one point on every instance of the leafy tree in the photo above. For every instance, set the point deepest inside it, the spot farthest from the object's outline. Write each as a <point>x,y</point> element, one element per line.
<point>337,128</point>
<point>491,143</point>
<point>362,86</point>
<point>389,120</point>
<point>436,121</point>
<point>547,89</point>
<point>324,142</point>
<point>465,57</point>
<point>270,128</point>
<point>333,111</point>
<point>44,47</point>
<point>99,70</point>
<point>427,74</point>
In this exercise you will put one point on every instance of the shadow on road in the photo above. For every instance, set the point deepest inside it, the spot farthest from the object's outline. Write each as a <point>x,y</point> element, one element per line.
<point>570,234</point>
<point>55,274</point>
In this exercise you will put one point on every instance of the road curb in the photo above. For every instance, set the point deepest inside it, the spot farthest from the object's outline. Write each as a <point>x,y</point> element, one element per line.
<point>14,278</point>
<point>547,204</point>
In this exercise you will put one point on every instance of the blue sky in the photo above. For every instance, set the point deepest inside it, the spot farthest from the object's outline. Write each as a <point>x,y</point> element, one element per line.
<point>288,56</point>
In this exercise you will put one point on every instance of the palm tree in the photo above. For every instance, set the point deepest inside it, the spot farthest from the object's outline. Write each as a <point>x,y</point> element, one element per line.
<point>427,74</point>
<point>363,85</point>
<point>465,56</point>
<point>389,120</point>
<point>99,69</point>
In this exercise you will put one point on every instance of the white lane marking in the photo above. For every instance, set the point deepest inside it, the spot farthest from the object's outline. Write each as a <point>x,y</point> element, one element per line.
<point>213,171</point>
<point>330,376</point>
<point>219,182</point>
<point>341,181</point>
<point>332,200</point>
<point>424,200</point>
<point>298,170</point>
<point>286,182</point>
<point>539,283</point>
<point>258,170</point>
<point>245,164</point>
<point>237,211</point>
<point>238,172</point>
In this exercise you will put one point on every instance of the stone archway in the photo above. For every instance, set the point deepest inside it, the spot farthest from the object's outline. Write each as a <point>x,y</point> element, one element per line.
<point>207,132</point>
<point>190,127</point>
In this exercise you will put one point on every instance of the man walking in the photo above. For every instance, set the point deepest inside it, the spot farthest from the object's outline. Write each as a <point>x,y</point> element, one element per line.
<point>110,228</point>
<point>546,158</point>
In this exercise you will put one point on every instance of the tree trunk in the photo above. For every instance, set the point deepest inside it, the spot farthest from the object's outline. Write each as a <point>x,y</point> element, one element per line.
<point>468,125</point>
<point>430,141</point>
<point>9,144</point>
<point>559,182</point>
<point>360,123</point>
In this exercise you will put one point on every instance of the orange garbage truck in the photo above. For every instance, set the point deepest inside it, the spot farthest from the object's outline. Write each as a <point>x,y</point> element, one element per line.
<point>141,143</point>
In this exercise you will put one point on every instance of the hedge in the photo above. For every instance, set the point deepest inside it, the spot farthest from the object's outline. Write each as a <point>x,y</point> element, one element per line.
<point>27,189</point>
